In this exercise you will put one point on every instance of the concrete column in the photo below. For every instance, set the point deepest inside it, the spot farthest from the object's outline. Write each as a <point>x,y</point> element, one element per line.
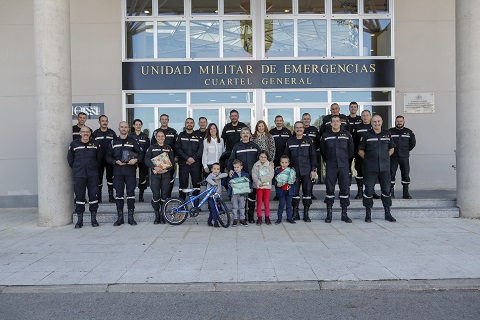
<point>467,22</point>
<point>54,116</point>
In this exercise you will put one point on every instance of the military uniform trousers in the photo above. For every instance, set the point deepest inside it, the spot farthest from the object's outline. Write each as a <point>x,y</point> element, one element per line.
<point>160,185</point>
<point>80,185</point>
<point>195,172</point>
<point>119,184</point>
<point>404,163</point>
<point>104,166</point>
<point>343,176</point>
<point>306,183</point>
<point>369,180</point>
<point>359,167</point>
<point>142,176</point>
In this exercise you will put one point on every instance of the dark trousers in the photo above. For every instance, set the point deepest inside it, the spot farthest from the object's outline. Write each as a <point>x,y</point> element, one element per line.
<point>193,171</point>
<point>80,185</point>
<point>119,184</point>
<point>404,169</point>
<point>285,199</point>
<point>369,180</point>
<point>142,176</point>
<point>104,166</point>
<point>359,167</point>
<point>213,212</point>
<point>160,185</point>
<point>343,176</point>
<point>306,183</point>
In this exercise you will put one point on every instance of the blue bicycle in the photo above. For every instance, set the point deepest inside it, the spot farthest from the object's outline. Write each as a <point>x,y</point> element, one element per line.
<point>176,210</point>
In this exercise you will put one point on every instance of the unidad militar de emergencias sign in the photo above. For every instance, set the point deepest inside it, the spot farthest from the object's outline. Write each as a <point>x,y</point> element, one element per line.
<point>259,74</point>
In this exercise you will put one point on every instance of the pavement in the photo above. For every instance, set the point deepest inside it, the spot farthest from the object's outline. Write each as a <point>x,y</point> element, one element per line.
<point>192,254</point>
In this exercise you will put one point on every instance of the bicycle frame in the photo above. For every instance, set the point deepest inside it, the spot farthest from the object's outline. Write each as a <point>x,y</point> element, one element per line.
<point>191,199</point>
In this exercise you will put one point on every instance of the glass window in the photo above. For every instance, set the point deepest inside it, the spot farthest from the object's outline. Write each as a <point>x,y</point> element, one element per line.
<point>279,38</point>
<point>170,7</point>
<point>244,115</point>
<point>344,6</point>
<point>139,8</point>
<point>312,38</point>
<point>311,6</point>
<point>176,117</point>
<point>377,37</point>
<point>237,38</point>
<point>316,114</point>
<point>286,113</point>
<point>221,97</point>
<point>376,6</point>
<point>211,115</point>
<point>384,111</point>
<point>364,96</point>
<point>156,98</point>
<point>139,40</point>
<point>279,7</point>
<point>296,96</point>
<point>171,37</point>
<point>204,39</point>
<point>144,114</point>
<point>204,7</point>
<point>236,7</point>
<point>345,37</point>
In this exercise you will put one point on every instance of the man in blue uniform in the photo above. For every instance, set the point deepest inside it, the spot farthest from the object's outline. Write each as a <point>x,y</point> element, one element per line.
<point>81,119</point>
<point>144,142</point>
<point>336,147</point>
<point>405,141</point>
<point>83,157</point>
<point>301,151</point>
<point>376,147</point>
<point>124,153</point>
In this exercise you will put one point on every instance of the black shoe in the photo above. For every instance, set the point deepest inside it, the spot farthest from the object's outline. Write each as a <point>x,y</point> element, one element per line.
<point>296,213</point>
<point>368,215</point>
<point>120,220</point>
<point>328,219</point>
<point>345,216</point>
<point>131,221</point>
<point>306,217</point>
<point>140,196</point>
<point>157,217</point>
<point>406,194</point>
<point>278,221</point>
<point>275,198</point>
<point>291,221</point>
<point>93,219</point>
<point>216,225</point>
<point>79,221</point>
<point>388,215</point>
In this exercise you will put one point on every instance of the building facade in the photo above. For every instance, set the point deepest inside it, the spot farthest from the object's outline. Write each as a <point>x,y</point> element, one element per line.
<point>203,58</point>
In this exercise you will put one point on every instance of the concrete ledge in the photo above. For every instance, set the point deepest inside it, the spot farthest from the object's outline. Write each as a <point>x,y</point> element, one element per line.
<point>26,201</point>
<point>176,287</point>
<point>269,286</point>
<point>441,284</point>
<point>55,289</point>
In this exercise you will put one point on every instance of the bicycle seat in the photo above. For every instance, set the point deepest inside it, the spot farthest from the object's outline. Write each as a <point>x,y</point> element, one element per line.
<point>187,190</point>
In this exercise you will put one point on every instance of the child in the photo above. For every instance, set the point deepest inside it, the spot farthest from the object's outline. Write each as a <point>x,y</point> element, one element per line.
<point>285,188</point>
<point>213,180</point>
<point>238,199</point>
<point>262,174</point>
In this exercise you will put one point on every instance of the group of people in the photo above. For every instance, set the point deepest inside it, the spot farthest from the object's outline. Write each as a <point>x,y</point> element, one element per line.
<point>245,164</point>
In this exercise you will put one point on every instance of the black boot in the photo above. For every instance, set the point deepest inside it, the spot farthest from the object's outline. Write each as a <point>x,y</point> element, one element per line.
<point>406,194</point>
<point>368,215</point>
<point>345,216</point>
<point>93,219</point>
<point>250,216</point>
<point>388,215</point>
<point>131,221</point>
<point>79,221</point>
<point>140,196</point>
<point>162,217</point>
<point>306,218</point>
<point>296,213</point>
<point>111,199</point>
<point>392,190</point>
<point>157,217</point>
<point>328,219</point>
<point>119,219</point>
<point>360,190</point>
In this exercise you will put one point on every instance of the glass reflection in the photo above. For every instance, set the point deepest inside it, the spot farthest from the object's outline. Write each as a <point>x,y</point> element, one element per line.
<point>171,37</point>
<point>344,6</point>
<point>244,115</point>
<point>364,96</point>
<point>144,114</point>
<point>236,7</point>
<point>376,6</point>
<point>287,115</point>
<point>170,7</point>
<point>221,97</point>
<point>237,38</point>
<point>296,96</point>
<point>156,98</point>
<point>312,38</point>
<point>204,7</point>
<point>279,38</point>
<point>384,112</point>
<point>278,6</point>
<point>377,37</point>
<point>176,116</point>
<point>139,7</point>
<point>139,39</point>
<point>210,114</point>
<point>316,114</point>
<point>204,39</point>
<point>311,6</point>
<point>345,37</point>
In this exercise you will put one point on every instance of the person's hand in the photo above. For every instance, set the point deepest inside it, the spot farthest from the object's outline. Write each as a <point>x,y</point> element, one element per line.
<point>279,185</point>
<point>206,170</point>
<point>120,163</point>
<point>231,173</point>
<point>216,184</point>
<point>313,175</point>
<point>190,161</point>
<point>132,162</point>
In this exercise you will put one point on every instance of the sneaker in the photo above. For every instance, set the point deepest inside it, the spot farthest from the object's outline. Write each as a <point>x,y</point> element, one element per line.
<point>267,221</point>
<point>244,223</point>
<point>210,224</point>
<point>278,221</point>
<point>291,221</point>
<point>235,222</point>
<point>216,225</point>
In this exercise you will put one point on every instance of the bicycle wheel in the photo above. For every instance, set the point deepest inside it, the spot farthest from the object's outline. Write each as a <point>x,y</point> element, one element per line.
<point>223,213</point>
<point>175,211</point>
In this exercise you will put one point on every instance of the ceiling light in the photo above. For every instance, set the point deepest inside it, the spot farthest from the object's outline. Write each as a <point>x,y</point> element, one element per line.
<point>146,11</point>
